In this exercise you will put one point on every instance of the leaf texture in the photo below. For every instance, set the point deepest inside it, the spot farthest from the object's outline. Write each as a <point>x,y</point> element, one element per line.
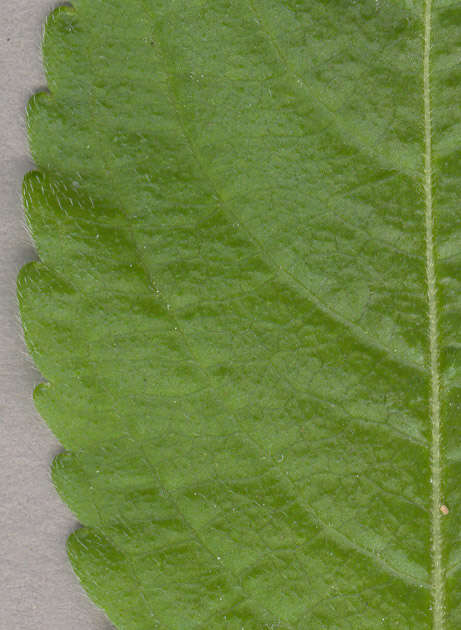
<point>247,308</point>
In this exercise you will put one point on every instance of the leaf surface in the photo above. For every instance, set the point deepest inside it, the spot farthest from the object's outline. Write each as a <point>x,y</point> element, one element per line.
<point>247,308</point>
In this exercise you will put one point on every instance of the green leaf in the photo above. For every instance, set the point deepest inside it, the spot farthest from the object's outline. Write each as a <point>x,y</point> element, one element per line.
<point>247,308</point>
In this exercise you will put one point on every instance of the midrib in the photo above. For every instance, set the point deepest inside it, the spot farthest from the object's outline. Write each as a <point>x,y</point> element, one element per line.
<point>437,573</point>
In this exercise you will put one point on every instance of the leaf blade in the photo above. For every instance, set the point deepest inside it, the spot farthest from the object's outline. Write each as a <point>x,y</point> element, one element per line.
<point>244,239</point>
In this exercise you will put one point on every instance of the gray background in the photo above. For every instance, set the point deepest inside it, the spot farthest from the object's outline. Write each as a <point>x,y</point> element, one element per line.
<point>38,590</point>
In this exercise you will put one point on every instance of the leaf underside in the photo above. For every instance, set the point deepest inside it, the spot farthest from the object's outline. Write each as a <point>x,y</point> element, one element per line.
<point>231,308</point>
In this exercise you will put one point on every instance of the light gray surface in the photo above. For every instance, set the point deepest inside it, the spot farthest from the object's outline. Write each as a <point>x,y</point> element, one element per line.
<point>38,590</point>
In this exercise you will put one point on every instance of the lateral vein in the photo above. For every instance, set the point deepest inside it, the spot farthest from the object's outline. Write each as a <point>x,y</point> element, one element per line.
<point>437,584</point>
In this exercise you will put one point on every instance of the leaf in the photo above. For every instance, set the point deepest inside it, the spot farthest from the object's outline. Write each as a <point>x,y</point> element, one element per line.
<point>247,308</point>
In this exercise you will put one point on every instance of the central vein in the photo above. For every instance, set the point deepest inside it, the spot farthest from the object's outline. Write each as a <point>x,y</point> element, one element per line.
<point>437,572</point>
